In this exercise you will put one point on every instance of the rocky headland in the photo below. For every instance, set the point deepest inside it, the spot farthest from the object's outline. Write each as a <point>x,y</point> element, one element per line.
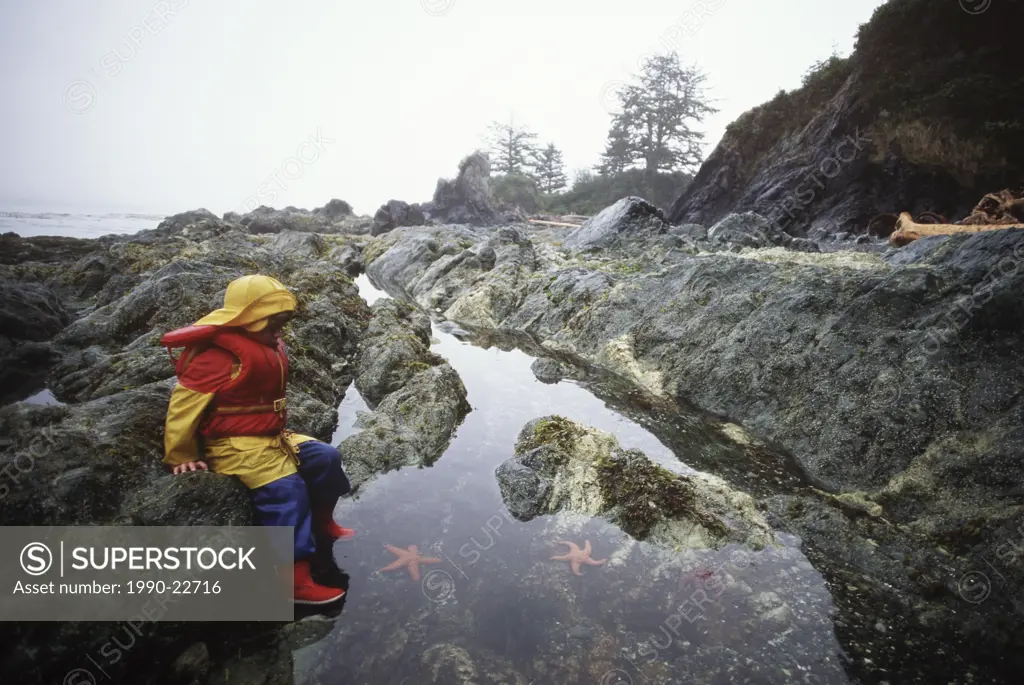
<point>913,120</point>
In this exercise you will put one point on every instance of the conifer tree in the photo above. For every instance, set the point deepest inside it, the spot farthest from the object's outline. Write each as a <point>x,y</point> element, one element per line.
<point>549,169</point>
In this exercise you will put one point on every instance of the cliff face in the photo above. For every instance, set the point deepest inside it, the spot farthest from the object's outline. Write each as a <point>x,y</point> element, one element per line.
<point>924,115</point>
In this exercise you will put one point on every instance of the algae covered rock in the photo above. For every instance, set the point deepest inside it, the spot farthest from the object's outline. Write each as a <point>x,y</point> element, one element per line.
<point>97,460</point>
<point>560,465</point>
<point>411,426</point>
<point>333,218</point>
<point>299,244</point>
<point>322,342</point>
<point>472,275</point>
<point>395,347</point>
<point>15,249</point>
<point>190,499</point>
<point>74,465</point>
<point>883,357</point>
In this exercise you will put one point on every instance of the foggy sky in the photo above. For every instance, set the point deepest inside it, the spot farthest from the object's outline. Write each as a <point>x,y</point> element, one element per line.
<point>163,106</point>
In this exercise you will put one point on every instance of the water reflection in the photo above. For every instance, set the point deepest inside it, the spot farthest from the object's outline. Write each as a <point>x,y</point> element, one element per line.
<point>348,411</point>
<point>44,397</point>
<point>497,609</point>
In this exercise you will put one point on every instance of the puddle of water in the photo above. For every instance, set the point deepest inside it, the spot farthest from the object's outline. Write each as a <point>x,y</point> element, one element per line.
<point>348,412</point>
<point>43,397</point>
<point>369,291</point>
<point>496,600</point>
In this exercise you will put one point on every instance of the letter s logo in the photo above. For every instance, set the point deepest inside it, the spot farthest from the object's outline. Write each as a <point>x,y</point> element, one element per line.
<point>36,559</point>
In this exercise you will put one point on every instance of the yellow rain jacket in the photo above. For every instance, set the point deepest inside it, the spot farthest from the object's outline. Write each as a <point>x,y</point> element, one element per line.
<point>228,407</point>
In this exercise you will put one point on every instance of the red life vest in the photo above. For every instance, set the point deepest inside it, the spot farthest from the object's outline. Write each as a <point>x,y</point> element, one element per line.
<point>251,403</point>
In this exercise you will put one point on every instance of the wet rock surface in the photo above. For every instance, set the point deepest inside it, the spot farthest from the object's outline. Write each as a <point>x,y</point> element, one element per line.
<point>748,230</point>
<point>296,244</point>
<point>335,217</point>
<point>96,459</point>
<point>892,378</point>
<point>897,499</point>
<point>739,333</point>
<point>630,214</point>
<point>561,465</point>
<point>30,314</point>
<point>412,426</point>
<point>395,347</point>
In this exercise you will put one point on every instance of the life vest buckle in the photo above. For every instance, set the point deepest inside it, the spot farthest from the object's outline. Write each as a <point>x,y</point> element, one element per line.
<point>279,405</point>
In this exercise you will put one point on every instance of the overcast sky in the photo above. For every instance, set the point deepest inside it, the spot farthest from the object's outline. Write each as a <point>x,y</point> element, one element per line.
<point>115,105</point>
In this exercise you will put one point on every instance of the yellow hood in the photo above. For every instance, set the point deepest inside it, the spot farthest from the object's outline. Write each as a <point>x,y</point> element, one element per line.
<point>248,302</point>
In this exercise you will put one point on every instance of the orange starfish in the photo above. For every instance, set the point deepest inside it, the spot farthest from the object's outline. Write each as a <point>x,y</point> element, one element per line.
<point>695,577</point>
<point>409,558</point>
<point>576,556</point>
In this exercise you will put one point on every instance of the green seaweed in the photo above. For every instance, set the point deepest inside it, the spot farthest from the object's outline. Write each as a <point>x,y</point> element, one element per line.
<point>375,248</point>
<point>554,430</point>
<point>417,366</point>
<point>646,494</point>
<point>406,337</point>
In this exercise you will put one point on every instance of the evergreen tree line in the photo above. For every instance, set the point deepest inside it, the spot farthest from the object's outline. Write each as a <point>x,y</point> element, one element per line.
<point>652,150</point>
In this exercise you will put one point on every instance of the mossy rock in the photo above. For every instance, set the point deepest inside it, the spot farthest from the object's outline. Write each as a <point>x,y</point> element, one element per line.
<point>645,493</point>
<point>563,466</point>
<point>551,430</point>
<point>375,248</point>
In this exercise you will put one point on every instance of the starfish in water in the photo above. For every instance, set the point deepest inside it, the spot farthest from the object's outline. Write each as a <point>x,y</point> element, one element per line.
<point>409,558</point>
<point>576,556</point>
<point>695,577</point>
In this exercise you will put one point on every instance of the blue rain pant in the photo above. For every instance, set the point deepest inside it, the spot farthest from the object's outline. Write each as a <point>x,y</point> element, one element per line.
<point>289,501</point>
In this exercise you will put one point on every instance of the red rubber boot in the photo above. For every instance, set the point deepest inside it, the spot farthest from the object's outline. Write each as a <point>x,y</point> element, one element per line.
<point>325,526</point>
<point>307,591</point>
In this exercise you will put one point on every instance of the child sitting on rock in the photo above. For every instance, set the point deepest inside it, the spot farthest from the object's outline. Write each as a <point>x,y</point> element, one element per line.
<point>228,413</point>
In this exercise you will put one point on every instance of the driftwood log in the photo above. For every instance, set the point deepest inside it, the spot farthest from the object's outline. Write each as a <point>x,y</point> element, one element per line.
<point>907,230</point>
<point>1002,209</point>
<point>553,223</point>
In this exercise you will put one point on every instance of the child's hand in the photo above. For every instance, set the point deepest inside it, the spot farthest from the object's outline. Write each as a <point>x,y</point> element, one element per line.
<point>190,466</point>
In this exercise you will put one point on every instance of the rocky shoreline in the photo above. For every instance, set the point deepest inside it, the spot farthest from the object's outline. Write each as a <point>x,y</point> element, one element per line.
<point>892,376</point>
<point>871,397</point>
<point>84,318</point>
<point>418,399</point>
